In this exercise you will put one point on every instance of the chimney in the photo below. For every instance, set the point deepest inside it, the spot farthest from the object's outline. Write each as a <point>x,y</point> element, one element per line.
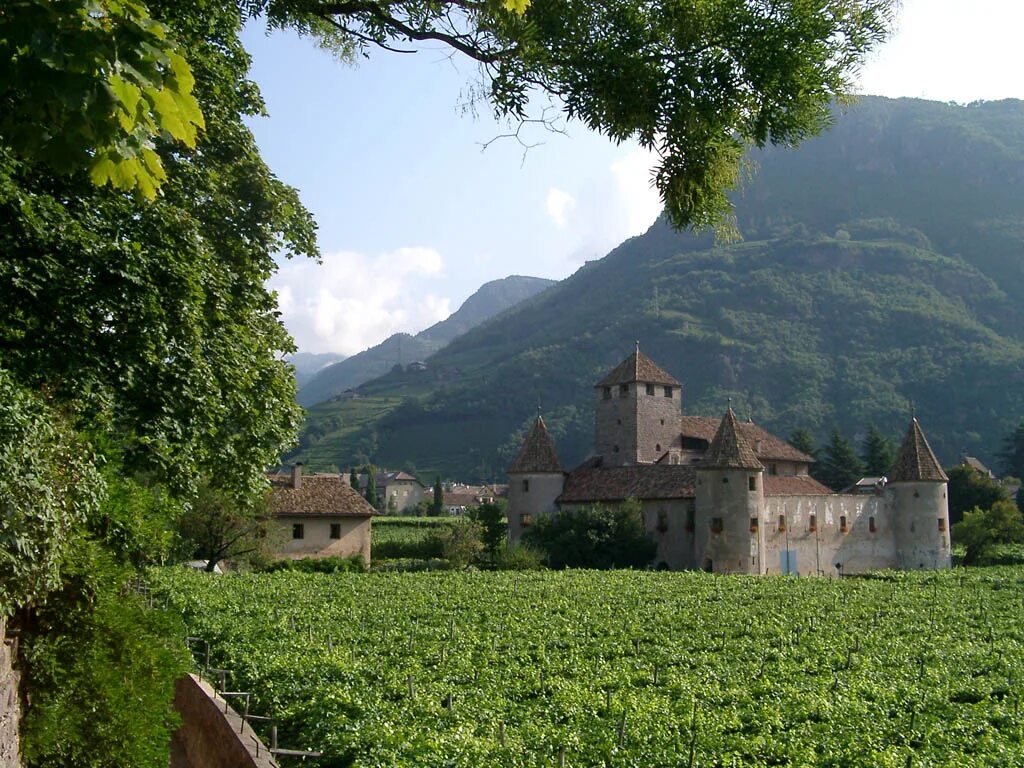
<point>297,475</point>
<point>757,446</point>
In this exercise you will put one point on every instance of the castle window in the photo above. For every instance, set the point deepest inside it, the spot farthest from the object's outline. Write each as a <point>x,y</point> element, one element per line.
<point>650,389</point>
<point>942,524</point>
<point>298,531</point>
<point>525,520</point>
<point>662,520</point>
<point>668,391</point>
<point>871,524</point>
<point>812,523</point>
<point>842,524</point>
<point>691,513</point>
<point>615,449</point>
<point>526,485</point>
<point>725,479</point>
<point>782,523</point>
<point>716,525</point>
<point>657,447</point>
<point>753,525</point>
<point>773,469</point>
<point>752,483</point>
<point>607,393</point>
<point>663,422</point>
<point>623,390</point>
<point>335,530</point>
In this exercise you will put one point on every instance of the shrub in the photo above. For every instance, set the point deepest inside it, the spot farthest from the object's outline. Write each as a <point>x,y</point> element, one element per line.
<point>594,537</point>
<point>521,557</point>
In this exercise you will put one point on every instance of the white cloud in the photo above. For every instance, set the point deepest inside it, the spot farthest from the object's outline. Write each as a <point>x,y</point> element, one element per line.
<point>559,203</point>
<point>637,195</point>
<point>352,301</point>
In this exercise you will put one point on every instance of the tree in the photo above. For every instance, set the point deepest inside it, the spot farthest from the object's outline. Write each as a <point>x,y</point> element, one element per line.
<point>353,479</point>
<point>1011,457</point>
<point>694,80</point>
<point>970,489</point>
<point>491,519</point>
<point>801,440</point>
<point>216,527</point>
<point>437,505</point>
<point>94,86</point>
<point>594,537</point>
<point>983,529</point>
<point>371,486</point>
<point>877,452</point>
<point>461,543</point>
<point>840,466</point>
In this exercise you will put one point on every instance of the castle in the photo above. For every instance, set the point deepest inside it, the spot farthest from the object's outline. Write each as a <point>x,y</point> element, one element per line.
<point>726,496</point>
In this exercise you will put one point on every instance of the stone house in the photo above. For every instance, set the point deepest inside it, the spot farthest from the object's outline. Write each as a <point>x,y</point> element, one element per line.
<point>396,490</point>
<point>319,515</point>
<point>727,496</point>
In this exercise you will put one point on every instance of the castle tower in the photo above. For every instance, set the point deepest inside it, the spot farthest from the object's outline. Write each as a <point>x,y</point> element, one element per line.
<point>535,480</point>
<point>638,412</point>
<point>917,490</point>
<point>729,529</point>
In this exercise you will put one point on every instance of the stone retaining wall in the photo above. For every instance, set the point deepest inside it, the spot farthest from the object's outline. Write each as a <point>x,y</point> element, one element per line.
<point>10,703</point>
<point>212,734</point>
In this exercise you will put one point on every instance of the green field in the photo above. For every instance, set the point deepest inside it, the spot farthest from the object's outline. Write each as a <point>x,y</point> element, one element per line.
<point>413,538</point>
<point>623,668</point>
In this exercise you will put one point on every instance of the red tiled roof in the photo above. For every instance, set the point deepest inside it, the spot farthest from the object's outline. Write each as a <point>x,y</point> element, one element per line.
<point>772,447</point>
<point>916,462</point>
<point>638,367</point>
<point>730,448</point>
<point>590,483</point>
<point>316,495</point>
<point>538,452</point>
<point>802,485</point>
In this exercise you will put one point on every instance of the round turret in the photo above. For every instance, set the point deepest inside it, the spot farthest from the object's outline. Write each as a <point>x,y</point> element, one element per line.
<point>729,535</point>
<point>918,493</point>
<point>535,481</point>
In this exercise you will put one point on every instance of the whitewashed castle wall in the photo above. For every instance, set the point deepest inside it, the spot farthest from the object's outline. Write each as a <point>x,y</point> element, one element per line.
<point>529,496</point>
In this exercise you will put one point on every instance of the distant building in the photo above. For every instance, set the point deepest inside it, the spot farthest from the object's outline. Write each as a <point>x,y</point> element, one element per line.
<point>727,496</point>
<point>416,366</point>
<point>396,490</point>
<point>319,515</point>
<point>977,466</point>
<point>459,498</point>
<point>867,485</point>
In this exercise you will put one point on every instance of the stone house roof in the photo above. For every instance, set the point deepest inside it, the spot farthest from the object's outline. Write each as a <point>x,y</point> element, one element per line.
<point>916,461</point>
<point>327,495</point>
<point>975,464</point>
<point>594,483</point>
<point>538,453</point>
<point>730,448</point>
<point>767,446</point>
<point>638,367</point>
<point>799,485</point>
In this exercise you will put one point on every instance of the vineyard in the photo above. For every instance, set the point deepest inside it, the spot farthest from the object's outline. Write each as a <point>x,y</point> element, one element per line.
<point>584,668</point>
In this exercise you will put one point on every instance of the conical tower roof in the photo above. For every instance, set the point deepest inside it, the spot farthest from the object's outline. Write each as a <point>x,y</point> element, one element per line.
<point>730,449</point>
<point>538,453</point>
<point>916,461</point>
<point>638,367</point>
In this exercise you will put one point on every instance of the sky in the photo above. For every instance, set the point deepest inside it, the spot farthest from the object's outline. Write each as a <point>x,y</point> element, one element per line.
<point>419,201</point>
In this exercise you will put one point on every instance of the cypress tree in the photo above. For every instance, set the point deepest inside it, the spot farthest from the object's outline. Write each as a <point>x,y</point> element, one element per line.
<point>353,478</point>
<point>840,466</point>
<point>371,487</point>
<point>437,507</point>
<point>801,440</point>
<point>877,452</point>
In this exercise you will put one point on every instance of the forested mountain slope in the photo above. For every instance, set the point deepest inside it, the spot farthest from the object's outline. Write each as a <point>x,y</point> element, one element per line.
<point>880,263</point>
<point>402,348</point>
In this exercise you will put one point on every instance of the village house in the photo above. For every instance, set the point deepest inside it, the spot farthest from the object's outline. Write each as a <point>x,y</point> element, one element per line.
<point>397,491</point>
<point>319,515</point>
<point>727,496</point>
<point>459,498</point>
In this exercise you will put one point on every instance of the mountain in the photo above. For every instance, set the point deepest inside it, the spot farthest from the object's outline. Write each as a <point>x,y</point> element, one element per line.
<point>307,364</point>
<point>401,348</point>
<point>880,263</point>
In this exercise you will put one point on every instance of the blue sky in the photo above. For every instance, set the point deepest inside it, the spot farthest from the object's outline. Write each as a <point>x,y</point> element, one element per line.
<point>415,215</point>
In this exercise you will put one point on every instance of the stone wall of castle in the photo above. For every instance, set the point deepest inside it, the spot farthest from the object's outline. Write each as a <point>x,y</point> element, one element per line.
<point>636,427</point>
<point>829,535</point>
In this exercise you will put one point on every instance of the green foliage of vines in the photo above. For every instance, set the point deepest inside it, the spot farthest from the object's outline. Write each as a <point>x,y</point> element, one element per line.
<point>626,668</point>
